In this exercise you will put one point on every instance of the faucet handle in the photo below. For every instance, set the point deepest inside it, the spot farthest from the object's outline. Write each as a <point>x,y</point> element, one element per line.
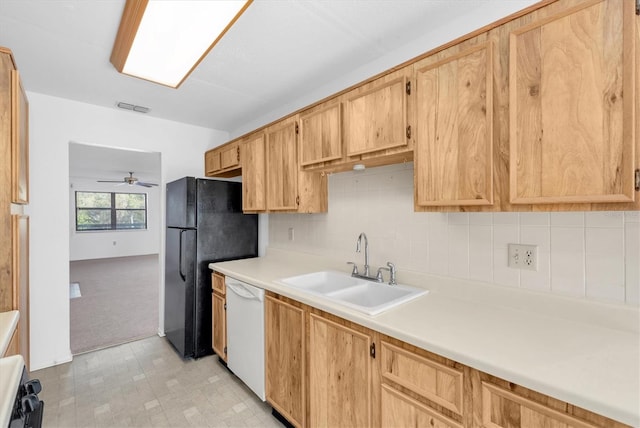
<point>379,277</point>
<point>355,268</point>
<point>392,272</point>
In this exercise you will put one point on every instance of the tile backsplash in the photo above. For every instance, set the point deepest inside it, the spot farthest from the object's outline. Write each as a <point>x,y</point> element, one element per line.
<point>593,255</point>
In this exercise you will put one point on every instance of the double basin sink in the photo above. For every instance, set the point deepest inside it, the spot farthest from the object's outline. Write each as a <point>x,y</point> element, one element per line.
<point>369,297</point>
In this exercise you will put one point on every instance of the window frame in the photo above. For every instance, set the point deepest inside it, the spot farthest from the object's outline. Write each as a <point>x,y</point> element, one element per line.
<point>113,211</point>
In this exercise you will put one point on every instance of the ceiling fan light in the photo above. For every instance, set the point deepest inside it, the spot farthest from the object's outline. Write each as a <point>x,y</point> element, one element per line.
<point>164,40</point>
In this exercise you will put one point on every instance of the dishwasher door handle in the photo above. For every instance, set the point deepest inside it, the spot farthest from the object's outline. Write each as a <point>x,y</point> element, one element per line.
<point>241,291</point>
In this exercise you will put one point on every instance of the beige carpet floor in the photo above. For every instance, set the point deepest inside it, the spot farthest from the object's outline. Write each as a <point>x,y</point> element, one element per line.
<point>118,301</point>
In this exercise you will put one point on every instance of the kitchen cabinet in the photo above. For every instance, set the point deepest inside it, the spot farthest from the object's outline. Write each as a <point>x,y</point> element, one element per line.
<point>289,188</point>
<point>323,370</point>
<point>252,155</point>
<point>340,373</point>
<point>223,161</point>
<point>321,135</point>
<point>285,353</point>
<point>501,408</point>
<point>219,315</point>
<point>375,115</point>
<point>454,127</point>
<point>572,101</point>
<point>440,387</point>
<point>14,193</point>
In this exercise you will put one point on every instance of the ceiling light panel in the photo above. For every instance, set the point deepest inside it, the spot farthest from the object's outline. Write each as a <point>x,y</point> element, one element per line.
<point>172,37</point>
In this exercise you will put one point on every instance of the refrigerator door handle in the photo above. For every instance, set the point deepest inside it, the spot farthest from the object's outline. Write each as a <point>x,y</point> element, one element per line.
<point>182,275</point>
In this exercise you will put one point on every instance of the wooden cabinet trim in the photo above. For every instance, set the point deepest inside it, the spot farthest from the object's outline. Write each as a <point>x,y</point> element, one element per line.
<point>387,357</point>
<point>490,393</point>
<point>388,392</point>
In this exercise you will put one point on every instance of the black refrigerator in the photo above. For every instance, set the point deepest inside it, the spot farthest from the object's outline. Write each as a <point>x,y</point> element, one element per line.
<point>205,224</point>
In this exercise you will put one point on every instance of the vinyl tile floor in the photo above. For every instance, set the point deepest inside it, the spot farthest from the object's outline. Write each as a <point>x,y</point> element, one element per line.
<point>146,384</point>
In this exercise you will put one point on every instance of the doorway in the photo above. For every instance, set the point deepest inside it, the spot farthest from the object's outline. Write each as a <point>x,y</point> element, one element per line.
<point>114,265</point>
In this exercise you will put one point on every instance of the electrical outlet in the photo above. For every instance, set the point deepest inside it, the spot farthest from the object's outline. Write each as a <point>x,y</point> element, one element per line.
<point>291,234</point>
<point>523,256</point>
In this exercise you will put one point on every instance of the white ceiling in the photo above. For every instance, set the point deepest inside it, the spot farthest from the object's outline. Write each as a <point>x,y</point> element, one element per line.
<point>278,51</point>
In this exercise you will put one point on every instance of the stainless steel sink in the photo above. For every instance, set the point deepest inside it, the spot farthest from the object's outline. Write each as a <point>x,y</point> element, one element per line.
<point>369,297</point>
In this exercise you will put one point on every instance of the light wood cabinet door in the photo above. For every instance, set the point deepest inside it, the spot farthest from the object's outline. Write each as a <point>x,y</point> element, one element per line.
<point>400,410</point>
<point>571,88</point>
<point>340,368</point>
<point>219,318</point>
<point>375,115</point>
<point>211,162</point>
<point>321,134</point>
<point>230,156</point>
<point>19,141</point>
<point>454,137</point>
<point>285,350</point>
<point>282,167</point>
<point>254,192</point>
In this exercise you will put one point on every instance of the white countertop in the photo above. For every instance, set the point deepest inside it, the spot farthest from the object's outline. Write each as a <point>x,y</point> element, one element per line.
<point>8,324</point>
<point>10,373</point>
<point>583,352</point>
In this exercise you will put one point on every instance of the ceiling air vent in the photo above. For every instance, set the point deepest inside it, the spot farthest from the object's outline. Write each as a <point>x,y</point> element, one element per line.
<point>139,109</point>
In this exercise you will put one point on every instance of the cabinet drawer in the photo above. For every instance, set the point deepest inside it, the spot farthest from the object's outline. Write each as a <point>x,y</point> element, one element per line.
<point>429,379</point>
<point>218,283</point>
<point>399,409</point>
<point>502,408</point>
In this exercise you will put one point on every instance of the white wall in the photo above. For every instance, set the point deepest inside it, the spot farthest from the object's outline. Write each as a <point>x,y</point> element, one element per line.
<point>592,255</point>
<point>122,243</point>
<point>54,122</point>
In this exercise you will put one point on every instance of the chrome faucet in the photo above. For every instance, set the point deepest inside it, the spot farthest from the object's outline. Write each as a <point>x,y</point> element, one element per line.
<point>366,251</point>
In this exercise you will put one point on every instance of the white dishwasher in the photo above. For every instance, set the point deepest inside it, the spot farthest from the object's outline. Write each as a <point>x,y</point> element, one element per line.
<point>245,333</point>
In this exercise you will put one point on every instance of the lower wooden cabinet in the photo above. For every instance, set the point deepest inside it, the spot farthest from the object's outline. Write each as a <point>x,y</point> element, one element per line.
<point>285,353</point>
<point>219,316</point>
<point>400,410</point>
<point>324,371</point>
<point>340,380</point>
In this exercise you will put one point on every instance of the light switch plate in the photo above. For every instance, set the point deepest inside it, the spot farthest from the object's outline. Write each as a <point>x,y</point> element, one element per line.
<point>523,256</point>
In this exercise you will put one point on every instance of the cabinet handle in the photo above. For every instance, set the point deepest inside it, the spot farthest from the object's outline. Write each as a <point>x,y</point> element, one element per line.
<point>238,152</point>
<point>297,200</point>
<point>408,87</point>
<point>409,131</point>
<point>372,350</point>
<point>638,174</point>
<point>225,306</point>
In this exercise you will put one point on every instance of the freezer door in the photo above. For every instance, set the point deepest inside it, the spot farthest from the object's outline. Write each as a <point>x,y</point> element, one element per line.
<point>179,293</point>
<point>181,203</point>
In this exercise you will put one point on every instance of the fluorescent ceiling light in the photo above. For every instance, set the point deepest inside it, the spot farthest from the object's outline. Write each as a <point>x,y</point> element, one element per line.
<point>163,40</point>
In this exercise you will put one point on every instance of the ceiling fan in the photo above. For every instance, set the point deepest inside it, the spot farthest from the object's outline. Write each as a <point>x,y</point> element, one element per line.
<point>130,180</point>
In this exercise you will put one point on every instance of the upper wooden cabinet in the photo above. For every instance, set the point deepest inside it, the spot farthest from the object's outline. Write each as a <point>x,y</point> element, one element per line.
<point>223,161</point>
<point>289,188</point>
<point>376,115</point>
<point>282,166</point>
<point>321,134</point>
<point>454,127</point>
<point>572,89</point>
<point>252,154</point>
<point>19,141</point>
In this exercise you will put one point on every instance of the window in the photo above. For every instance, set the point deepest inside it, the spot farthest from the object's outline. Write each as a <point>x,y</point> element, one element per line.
<point>110,211</point>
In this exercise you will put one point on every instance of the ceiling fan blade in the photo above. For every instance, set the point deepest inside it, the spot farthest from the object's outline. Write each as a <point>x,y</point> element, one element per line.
<point>109,181</point>
<point>144,184</point>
